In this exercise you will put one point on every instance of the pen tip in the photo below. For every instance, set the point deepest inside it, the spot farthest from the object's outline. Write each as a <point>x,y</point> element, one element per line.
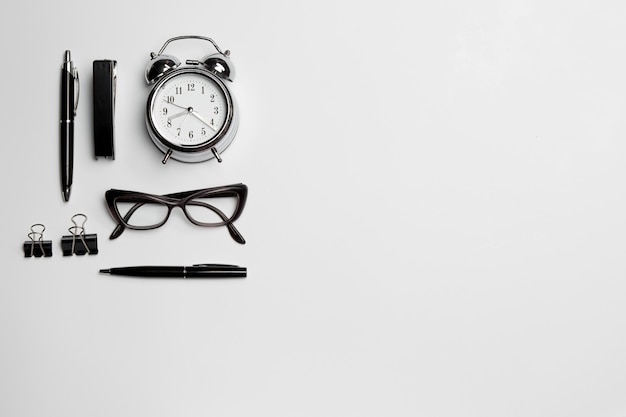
<point>105,271</point>
<point>66,194</point>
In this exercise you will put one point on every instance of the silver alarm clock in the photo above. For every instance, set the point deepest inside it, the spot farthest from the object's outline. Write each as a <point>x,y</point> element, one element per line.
<point>191,114</point>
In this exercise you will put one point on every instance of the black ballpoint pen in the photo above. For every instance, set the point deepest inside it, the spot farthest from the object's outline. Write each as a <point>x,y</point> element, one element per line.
<point>194,271</point>
<point>69,103</point>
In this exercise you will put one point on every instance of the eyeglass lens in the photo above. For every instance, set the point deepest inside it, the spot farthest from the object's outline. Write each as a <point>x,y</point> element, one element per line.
<point>205,210</point>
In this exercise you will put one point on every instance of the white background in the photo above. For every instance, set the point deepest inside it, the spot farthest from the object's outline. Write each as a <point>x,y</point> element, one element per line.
<point>435,221</point>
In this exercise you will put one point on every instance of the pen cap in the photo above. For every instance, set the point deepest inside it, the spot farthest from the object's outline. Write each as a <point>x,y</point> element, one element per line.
<point>216,271</point>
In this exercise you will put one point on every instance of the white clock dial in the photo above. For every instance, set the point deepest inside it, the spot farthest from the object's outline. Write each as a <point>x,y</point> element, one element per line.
<point>189,110</point>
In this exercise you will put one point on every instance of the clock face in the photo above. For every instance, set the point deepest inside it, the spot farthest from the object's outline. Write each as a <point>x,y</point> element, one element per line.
<point>189,110</point>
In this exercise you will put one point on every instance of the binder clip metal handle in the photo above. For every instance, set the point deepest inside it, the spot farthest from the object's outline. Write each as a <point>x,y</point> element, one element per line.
<point>36,246</point>
<point>79,243</point>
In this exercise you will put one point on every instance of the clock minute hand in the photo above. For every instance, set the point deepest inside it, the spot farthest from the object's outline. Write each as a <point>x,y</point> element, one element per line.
<point>197,115</point>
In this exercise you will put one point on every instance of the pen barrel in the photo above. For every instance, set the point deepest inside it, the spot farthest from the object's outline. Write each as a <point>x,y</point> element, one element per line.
<point>67,152</point>
<point>67,126</point>
<point>150,271</point>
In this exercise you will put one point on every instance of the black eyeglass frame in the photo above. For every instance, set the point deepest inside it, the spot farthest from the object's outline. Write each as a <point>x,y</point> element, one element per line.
<point>181,199</point>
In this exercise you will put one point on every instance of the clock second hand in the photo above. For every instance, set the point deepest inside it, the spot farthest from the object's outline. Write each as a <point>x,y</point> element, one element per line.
<point>182,113</point>
<point>181,123</point>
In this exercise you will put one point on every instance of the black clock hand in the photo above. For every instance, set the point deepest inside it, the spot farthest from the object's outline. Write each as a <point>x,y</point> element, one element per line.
<point>176,105</point>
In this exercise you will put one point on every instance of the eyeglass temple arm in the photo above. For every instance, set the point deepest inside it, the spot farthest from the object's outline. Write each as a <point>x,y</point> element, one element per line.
<point>234,233</point>
<point>119,228</point>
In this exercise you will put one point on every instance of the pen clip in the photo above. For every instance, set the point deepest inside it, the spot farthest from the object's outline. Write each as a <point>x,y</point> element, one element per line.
<point>217,266</point>
<point>76,89</point>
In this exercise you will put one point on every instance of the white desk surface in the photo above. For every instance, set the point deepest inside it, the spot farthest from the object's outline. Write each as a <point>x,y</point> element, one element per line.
<point>435,222</point>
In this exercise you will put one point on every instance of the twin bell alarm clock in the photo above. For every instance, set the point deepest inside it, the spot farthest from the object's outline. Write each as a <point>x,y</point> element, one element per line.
<point>191,114</point>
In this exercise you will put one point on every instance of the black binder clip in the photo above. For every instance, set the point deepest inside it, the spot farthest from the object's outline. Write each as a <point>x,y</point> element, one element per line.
<point>36,246</point>
<point>79,243</point>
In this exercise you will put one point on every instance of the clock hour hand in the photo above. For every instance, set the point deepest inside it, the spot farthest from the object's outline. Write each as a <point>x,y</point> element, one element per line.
<point>182,113</point>
<point>202,119</point>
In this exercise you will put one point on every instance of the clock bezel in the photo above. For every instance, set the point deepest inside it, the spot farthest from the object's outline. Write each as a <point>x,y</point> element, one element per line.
<point>202,151</point>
